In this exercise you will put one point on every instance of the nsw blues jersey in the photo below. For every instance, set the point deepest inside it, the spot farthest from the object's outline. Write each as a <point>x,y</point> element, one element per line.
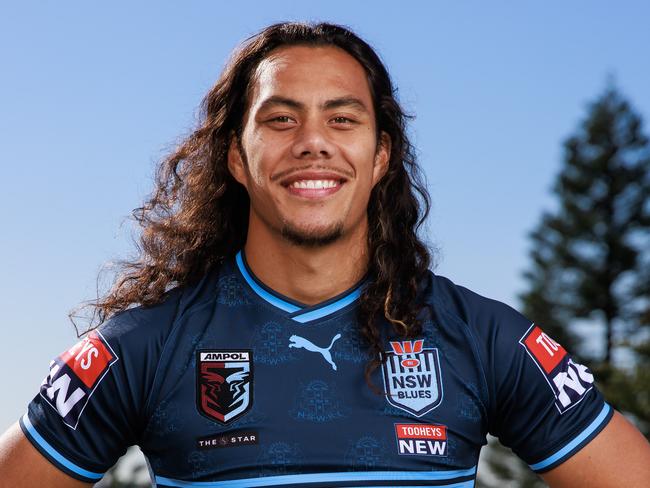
<point>230,384</point>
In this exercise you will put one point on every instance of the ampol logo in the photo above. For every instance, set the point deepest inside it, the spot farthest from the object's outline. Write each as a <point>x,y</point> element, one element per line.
<point>412,377</point>
<point>224,390</point>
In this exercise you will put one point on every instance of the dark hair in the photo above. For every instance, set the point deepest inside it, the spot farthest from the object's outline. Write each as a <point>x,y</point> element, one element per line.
<point>198,214</point>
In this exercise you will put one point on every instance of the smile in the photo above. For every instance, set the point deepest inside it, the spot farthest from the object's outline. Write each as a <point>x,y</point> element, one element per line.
<point>314,184</point>
<point>314,189</point>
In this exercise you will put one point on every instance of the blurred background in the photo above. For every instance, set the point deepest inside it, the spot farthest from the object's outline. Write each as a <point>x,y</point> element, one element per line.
<point>529,127</point>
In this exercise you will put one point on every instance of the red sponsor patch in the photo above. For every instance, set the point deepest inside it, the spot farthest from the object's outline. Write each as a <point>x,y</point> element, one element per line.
<point>89,358</point>
<point>421,431</point>
<point>546,351</point>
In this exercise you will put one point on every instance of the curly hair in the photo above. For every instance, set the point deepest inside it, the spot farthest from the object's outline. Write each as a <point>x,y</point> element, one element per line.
<point>197,215</point>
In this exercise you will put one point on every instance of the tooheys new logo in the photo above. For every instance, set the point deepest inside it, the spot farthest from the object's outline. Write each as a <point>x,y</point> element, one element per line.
<point>421,439</point>
<point>569,380</point>
<point>75,375</point>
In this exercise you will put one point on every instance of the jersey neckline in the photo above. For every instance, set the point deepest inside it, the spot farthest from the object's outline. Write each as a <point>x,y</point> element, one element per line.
<point>294,309</point>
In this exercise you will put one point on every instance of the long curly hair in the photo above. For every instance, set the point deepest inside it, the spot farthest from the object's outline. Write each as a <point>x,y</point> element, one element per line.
<point>197,215</point>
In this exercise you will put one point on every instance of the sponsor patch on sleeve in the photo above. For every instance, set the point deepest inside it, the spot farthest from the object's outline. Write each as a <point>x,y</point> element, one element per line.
<point>421,439</point>
<point>568,380</point>
<point>75,375</point>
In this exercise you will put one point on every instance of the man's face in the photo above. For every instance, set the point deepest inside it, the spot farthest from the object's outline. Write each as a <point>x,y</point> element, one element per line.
<point>310,154</point>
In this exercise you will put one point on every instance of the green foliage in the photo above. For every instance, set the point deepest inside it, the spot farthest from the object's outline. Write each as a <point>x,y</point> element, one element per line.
<point>129,472</point>
<point>587,256</point>
<point>628,389</point>
<point>506,469</point>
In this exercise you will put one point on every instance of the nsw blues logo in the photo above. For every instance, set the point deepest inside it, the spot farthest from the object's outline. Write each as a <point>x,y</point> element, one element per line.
<point>224,390</point>
<point>412,377</point>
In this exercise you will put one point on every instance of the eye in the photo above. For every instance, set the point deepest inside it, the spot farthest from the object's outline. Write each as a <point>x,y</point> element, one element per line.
<point>281,122</point>
<point>280,118</point>
<point>342,119</point>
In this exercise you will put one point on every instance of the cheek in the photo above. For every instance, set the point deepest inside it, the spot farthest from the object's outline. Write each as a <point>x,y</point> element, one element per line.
<point>264,156</point>
<point>257,177</point>
<point>258,172</point>
<point>362,157</point>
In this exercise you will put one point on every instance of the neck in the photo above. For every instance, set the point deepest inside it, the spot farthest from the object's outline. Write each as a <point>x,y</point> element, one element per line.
<point>309,275</point>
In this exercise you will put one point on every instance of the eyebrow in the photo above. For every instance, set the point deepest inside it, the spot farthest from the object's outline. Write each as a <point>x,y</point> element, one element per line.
<point>333,103</point>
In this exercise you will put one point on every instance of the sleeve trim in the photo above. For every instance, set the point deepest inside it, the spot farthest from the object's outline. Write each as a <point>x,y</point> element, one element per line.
<point>579,441</point>
<point>54,456</point>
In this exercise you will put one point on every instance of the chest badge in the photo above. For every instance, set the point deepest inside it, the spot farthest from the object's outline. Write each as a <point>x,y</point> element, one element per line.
<point>412,377</point>
<point>224,384</point>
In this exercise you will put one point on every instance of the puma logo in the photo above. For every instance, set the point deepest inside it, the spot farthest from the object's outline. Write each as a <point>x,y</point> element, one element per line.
<point>297,341</point>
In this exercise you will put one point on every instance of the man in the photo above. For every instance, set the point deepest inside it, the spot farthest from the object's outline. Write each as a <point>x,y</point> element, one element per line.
<point>288,331</point>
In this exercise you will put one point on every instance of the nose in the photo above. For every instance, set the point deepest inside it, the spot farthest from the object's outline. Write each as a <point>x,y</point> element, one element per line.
<point>312,141</point>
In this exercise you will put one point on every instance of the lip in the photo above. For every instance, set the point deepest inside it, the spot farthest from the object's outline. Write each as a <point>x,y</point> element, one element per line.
<point>313,193</point>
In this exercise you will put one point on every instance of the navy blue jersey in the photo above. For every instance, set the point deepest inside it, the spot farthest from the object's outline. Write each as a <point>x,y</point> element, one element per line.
<point>230,384</point>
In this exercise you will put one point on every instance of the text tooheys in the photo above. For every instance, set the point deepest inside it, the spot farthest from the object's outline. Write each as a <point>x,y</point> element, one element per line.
<point>75,375</point>
<point>569,381</point>
<point>421,439</point>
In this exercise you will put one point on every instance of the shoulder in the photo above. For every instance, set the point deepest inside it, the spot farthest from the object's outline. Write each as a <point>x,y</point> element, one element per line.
<point>481,313</point>
<point>142,327</point>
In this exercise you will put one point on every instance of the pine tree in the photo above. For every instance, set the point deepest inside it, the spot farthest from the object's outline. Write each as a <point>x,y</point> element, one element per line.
<point>590,260</point>
<point>540,302</point>
<point>600,233</point>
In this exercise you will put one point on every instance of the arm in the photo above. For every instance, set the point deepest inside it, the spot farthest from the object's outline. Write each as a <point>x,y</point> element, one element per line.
<point>618,456</point>
<point>21,465</point>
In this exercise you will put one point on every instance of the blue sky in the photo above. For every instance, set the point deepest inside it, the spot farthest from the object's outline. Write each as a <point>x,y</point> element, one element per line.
<point>93,95</point>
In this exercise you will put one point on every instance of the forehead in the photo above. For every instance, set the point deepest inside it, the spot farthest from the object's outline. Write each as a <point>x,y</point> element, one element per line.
<point>311,74</point>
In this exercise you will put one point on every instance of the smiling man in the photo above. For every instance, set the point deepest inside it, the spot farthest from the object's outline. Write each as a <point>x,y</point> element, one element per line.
<point>282,327</point>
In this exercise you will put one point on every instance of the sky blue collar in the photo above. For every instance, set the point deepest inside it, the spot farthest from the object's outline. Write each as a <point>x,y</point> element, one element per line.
<point>297,311</point>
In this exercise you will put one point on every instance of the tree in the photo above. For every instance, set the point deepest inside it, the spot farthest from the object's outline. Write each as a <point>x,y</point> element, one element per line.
<point>598,237</point>
<point>590,259</point>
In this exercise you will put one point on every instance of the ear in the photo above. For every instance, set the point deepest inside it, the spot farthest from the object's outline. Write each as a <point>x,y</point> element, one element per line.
<point>235,161</point>
<point>382,157</point>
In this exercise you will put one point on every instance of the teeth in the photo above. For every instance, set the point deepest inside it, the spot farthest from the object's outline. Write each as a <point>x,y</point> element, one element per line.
<point>314,184</point>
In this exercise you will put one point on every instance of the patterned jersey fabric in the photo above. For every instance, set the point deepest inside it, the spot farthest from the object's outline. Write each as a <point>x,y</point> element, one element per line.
<point>229,384</point>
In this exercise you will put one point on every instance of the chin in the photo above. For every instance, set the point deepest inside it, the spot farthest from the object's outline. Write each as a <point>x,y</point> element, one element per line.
<point>312,237</point>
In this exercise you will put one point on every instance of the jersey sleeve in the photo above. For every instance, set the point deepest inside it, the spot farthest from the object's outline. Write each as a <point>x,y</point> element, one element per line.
<point>91,405</point>
<point>544,404</point>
